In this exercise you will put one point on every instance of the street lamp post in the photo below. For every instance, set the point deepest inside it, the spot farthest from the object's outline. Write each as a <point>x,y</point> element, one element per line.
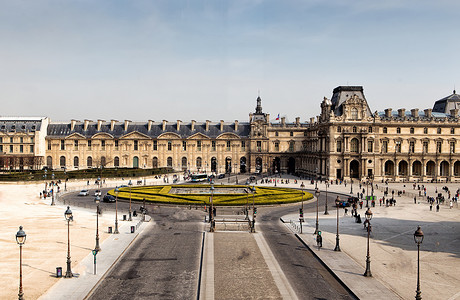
<point>302,186</point>
<point>325,211</point>
<point>351,186</point>
<point>253,210</point>
<point>418,238</point>
<point>316,178</point>
<point>337,244</point>
<point>68,217</point>
<point>317,200</point>
<point>367,192</point>
<point>116,211</point>
<point>20,239</point>
<point>52,194</point>
<point>97,200</point>
<point>247,202</point>
<point>212,228</point>
<point>368,214</point>
<point>130,184</point>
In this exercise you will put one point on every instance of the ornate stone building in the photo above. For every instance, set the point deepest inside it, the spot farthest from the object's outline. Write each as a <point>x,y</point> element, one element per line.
<point>345,141</point>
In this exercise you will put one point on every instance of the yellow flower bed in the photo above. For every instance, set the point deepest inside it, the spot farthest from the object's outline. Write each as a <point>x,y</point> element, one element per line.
<point>262,195</point>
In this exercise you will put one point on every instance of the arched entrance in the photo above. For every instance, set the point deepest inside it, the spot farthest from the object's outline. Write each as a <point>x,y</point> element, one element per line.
<point>276,165</point>
<point>214,165</point>
<point>402,168</point>
<point>228,165</point>
<point>62,161</point>
<point>258,165</point>
<point>417,168</point>
<point>389,168</point>
<point>291,165</point>
<point>354,169</point>
<point>430,167</point>
<point>155,162</point>
<point>184,163</point>
<point>49,162</point>
<point>444,168</point>
<point>457,168</point>
<point>243,164</point>
<point>135,162</point>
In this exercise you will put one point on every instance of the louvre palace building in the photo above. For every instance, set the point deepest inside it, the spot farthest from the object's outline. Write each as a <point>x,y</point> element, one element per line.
<point>347,140</point>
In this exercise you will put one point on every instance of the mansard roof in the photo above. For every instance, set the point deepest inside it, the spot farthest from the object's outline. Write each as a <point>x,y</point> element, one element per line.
<point>408,116</point>
<point>58,130</point>
<point>445,104</point>
<point>20,124</point>
<point>342,93</point>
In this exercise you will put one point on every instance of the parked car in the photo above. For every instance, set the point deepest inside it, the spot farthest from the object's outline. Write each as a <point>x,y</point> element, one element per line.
<point>220,176</point>
<point>83,193</point>
<point>252,178</point>
<point>97,193</point>
<point>108,198</point>
<point>123,186</point>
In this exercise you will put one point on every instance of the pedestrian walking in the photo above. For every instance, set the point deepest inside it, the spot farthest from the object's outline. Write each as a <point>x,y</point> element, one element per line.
<point>415,200</point>
<point>437,207</point>
<point>451,204</point>
<point>431,206</point>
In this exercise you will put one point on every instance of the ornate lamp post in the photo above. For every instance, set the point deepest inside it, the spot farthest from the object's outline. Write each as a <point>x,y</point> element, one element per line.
<point>212,228</point>
<point>317,200</point>
<point>325,210</point>
<point>337,245</point>
<point>368,214</point>
<point>351,186</point>
<point>302,186</point>
<point>68,217</point>
<point>247,202</point>
<point>253,210</point>
<point>367,192</point>
<point>116,211</point>
<point>20,239</point>
<point>97,200</point>
<point>418,238</point>
<point>316,178</point>
<point>130,184</point>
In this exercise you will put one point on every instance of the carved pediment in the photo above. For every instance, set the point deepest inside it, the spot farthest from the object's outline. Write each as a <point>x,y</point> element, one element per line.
<point>135,135</point>
<point>75,136</point>
<point>169,136</point>
<point>228,136</point>
<point>199,136</point>
<point>102,135</point>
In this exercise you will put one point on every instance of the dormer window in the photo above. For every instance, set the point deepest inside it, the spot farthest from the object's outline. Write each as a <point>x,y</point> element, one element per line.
<point>354,113</point>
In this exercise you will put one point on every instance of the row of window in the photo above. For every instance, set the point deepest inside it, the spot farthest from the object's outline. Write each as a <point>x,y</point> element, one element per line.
<point>12,140</point>
<point>155,145</point>
<point>20,149</point>
<point>354,146</point>
<point>13,127</point>
<point>291,133</point>
<point>398,130</point>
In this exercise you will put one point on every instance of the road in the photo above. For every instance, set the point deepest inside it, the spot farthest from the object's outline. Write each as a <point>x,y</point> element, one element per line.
<point>164,263</point>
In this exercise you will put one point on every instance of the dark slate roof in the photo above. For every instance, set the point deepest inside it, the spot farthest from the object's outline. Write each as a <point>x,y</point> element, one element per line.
<point>20,124</point>
<point>63,129</point>
<point>445,104</point>
<point>342,93</point>
<point>408,115</point>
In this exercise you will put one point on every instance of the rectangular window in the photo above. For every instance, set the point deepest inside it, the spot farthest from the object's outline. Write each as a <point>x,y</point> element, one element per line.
<point>31,149</point>
<point>89,144</point>
<point>75,143</point>
<point>1,139</point>
<point>62,145</point>
<point>425,147</point>
<point>21,149</point>
<point>411,147</point>
<point>21,140</point>
<point>103,144</point>
<point>155,145</point>
<point>228,145</point>
<point>116,144</point>
<point>169,145</point>
<point>259,146</point>
<point>398,147</point>
<point>370,146</point>
<point>31,139</point>
<point>291,146</point>
<point>213,145</point>
<point>198,145</point>
<point>339,146</point>
<point>136,145</point>
<point>277,146</point>
<point>184,145</point>
<point>1,148</point>
<point>243,145</point>
<point>49,145</point>
<point>11,148</point>
<point>385,146</point>
<point>11,140</point>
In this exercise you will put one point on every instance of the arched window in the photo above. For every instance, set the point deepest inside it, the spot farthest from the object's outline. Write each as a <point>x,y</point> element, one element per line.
<point>425,130</point>
<point>103,162</point>
<point>89,161</point>
<point>169,162</point>
<point>198,162</point>
<point>62,161</point>
<point>155,162</point>
<point>116,161</point>
<point>370,129</point>
<point>354,113</point>
<point>439,130</point>
<point>339,129</point>
<point>355,129</point>
<point>169,146</point>
<point>49,162</point>
<point>354,145</point>
<point>75,161</point>
<point>398,130</point>
<point>184,163</point>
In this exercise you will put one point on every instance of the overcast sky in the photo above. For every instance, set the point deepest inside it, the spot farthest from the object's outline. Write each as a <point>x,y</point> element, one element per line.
<point>201,60</point>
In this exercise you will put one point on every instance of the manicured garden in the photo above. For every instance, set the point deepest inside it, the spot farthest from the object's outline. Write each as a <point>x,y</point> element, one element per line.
<point>223,195</point>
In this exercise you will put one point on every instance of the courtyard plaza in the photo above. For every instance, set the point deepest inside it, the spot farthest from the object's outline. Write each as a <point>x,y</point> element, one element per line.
<point>393,250</point>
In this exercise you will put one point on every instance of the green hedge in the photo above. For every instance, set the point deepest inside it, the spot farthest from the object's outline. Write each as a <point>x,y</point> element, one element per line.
<point>263,195</point>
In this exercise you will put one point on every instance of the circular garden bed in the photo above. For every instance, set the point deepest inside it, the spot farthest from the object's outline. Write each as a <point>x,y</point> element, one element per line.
<point>223,195</point>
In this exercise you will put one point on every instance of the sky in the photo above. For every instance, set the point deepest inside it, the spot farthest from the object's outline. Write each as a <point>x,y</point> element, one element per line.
<point>198,60</point>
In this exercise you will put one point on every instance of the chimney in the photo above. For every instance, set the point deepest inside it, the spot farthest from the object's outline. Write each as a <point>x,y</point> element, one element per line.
<point>283,121</point>
<point>85,125</point>
<point>192,127</point>
<point>312,121</point>
<point>402,112</point>
<point>178,124</point>
<point>428,112</point>
<point>112,124</point>
<point>236,125</point>
<point>297,121</point>
<point>127,124</point>
<point>72,124</point>
<point>99,124</point>
<point>414,112</point>
<point>267,116</point>
<point>221,125</point>
<point>164,125</point>
<point>454,112</point>
<point>207,125</point>
<point>149,125</point>
<point>388,112</point>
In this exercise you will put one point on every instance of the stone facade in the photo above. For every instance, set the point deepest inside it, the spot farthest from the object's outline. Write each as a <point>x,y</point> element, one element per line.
<point>345,141</point>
